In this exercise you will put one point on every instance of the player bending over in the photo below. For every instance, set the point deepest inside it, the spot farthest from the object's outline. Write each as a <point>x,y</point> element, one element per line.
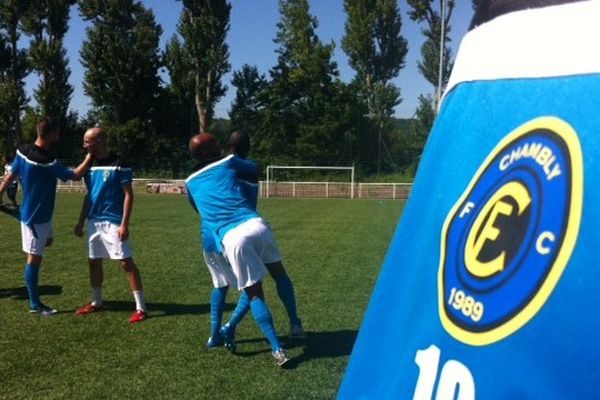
<point>107,207</point>
<point>246,240</point>
<point>239,145</point>
<point>39,171</point>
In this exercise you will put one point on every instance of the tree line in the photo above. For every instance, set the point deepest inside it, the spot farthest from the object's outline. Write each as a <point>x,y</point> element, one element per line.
<point>299,113</point>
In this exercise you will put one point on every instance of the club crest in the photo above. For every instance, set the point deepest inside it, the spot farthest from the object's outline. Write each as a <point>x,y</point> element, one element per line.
<point>507,240</point>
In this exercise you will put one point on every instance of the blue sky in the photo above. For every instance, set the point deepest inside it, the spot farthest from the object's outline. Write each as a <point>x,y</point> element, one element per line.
<point>250,39</point>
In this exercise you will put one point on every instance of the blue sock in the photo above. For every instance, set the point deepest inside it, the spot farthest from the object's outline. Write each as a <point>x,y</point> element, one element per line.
<point>217,303</point>
<point>31,281</point>
<point>285,290</point>
<point>243,306</point>
<point>263,318</point>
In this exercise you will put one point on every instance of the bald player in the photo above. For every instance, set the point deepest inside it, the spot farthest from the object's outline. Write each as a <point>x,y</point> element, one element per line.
<point>247,242</point>
<point>39,171</point>
<point>107,207</point>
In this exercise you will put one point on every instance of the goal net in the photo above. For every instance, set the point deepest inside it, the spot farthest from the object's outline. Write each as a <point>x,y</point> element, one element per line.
<point>333,182</point>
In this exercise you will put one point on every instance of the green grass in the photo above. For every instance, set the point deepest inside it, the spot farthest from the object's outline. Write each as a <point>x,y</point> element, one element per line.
<point>332,249</point>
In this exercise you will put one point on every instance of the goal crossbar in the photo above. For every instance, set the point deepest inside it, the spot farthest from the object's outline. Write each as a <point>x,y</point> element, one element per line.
<point>270,169</point>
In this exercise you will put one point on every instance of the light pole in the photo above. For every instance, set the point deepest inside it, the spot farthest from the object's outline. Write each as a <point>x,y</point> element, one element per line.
<point>442,43</point>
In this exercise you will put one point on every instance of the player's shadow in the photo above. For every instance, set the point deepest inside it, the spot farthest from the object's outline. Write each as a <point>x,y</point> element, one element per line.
<point>20,293</point>
<point>158,310</point>
<point>317,345</point>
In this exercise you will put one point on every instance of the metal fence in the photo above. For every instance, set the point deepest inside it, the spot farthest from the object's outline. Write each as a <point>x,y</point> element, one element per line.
<point>276,189</point>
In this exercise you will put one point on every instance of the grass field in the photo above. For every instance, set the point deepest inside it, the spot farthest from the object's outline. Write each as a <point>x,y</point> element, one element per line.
<point>332,249</point>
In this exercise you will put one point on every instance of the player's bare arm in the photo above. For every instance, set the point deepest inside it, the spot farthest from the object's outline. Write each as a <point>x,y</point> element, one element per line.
<point>127,208</point>
<point>83,167</point>
<point>8,178</point>
<point>82,216</point>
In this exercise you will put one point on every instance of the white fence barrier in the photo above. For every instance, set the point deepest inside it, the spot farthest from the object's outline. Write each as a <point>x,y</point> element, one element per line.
<point>338,190</point>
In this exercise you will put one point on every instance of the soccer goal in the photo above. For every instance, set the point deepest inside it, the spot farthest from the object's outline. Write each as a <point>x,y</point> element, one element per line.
<point>308,189</point>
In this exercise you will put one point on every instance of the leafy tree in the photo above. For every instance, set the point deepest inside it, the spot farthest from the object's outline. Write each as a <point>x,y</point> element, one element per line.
<point>376,51</point>
<point>179,98</point>
<point>121,58</point>
<point>13,70</point>
<point>47,21</point>
<point>204,25</point>
<point>298,121</point>
<point>423,12</point>
<point>375,48</point>
<point>248,102</point>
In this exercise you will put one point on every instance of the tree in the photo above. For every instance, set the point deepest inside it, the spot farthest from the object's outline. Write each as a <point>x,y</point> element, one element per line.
<point>374,46</point>
<point>121,58</point>
<point>47,21</point>
<point>12,93</point>
<point>299,122</point>
<point>248,101</point>
<point>376,50</point>
<point>181,91</point>
<point>204,25</point>
<point>423,11</point>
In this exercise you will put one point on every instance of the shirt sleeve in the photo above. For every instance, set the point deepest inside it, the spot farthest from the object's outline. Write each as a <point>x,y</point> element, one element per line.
<point>244,168</point>
<point>191,199</point>
<point>61,172</point>
<point>126,175</point>
<point>17,165</point>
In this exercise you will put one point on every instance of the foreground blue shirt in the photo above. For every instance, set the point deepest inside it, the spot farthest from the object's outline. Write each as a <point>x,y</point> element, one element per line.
<point>39,172</point>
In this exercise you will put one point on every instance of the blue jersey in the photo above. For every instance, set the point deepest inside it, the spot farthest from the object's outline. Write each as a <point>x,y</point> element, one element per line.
<point>250,191</point>
<point>217,194</point>
<point>39,172</point>
<point>105,182</point>
<point>492,275</point>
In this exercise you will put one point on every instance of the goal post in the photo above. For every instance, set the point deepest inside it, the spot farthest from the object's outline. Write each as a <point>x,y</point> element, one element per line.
<point>272,168</point>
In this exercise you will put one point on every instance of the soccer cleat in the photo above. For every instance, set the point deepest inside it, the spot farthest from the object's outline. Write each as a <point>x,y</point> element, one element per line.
<point>280,357</point>
<point>88,309</point>
<point>213,343</point>
<point>43,310</point>
<point>138,316</point>
<point>297,332</point>
<point>228,335</point>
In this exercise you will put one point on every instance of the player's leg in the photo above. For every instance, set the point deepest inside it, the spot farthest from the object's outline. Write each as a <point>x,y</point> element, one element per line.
<point>264,320</point>
<point>135,284</point>
<point>215,264</point>
<point>96,278</point>
<point>285,291</point>
<point>240,311</point>
<point>34,239</point>
<point>97,252</point>
<point>270,255</point>
<point>241,244</point>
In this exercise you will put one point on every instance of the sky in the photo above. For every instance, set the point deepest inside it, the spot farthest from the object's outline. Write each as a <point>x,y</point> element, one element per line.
<point>250,39</point>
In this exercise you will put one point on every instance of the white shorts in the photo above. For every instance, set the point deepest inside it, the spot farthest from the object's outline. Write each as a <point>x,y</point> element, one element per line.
<point>104,242</point>
<point>220,270</point>
<point>35,236</point>
<point>248,247</point>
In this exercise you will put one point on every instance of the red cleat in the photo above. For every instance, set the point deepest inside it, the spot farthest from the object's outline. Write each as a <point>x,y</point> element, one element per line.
<point>88,309</point>
<point>138,316</point>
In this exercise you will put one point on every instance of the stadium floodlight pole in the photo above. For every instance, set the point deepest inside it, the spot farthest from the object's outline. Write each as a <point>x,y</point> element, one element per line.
<point>440,71</point>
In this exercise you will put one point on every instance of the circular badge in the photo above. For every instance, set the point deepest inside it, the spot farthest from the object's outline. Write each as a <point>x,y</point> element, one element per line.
<point>507,240</point>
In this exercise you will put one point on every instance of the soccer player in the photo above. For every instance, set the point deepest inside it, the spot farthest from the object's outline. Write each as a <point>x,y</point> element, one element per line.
<point>107,207</point>
<point>239,144</point>
<point>248,244</point>
<point>39,171</point>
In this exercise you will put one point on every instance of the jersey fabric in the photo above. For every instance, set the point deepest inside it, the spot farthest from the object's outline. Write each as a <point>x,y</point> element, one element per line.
<point>492,274</point>
<point>216,193</point>
<point>38,171</point>
<point>104,182</point>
